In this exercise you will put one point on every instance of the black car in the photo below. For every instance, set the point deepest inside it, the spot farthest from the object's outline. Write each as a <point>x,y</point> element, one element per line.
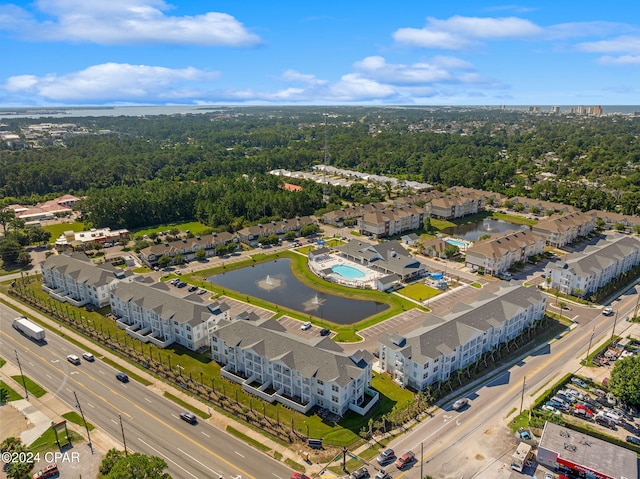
<point>189,417</point>
<point>325,332</point>
<point>181,284</point>
<point>122,377</point>
<point>192,288</point>
<point>633,440</point>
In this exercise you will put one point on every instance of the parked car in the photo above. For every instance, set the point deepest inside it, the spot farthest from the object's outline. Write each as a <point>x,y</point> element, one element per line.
<point>189,417</point>
<point>359,473</point>
<point>385,456</point>
<point>202,291</point>
<point>460,403</point>
<point>306,326</point>
<point>192,288</point>
<point>122,377</point>
<point>88,357</point>
<point>579,382</point>
<point>551,409</point>
<point>382,475</point>
<point>633,440</point>
<point>47,471</point>
<point>73,359</point>
<point>405,460</point>
<point>325,332</point>
<point>299,475</point>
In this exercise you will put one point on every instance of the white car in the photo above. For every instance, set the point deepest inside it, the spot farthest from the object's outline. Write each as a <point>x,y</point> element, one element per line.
<point>306,326</point>
<point>88,357</point>
<point>608,311</point>
<point>459,404</point>
<point>73,359</point>
<point>551,409</point>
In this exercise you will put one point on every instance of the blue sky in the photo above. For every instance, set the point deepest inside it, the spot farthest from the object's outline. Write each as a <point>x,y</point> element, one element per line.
<point>128,52</point>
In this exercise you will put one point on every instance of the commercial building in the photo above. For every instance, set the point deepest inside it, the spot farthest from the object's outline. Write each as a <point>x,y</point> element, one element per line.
<point>104,236</point>
<point>300,373</point>
<point>153,314</point>
<point>75,279</point>
<point>575,453</point>
<point>443,345</point>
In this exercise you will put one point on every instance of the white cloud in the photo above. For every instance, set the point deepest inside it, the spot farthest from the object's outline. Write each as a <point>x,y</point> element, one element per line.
<point>460,32</point>
<point>124,22</point>
<point>622,60</point>
<point>110,81</point>
<point>295,76</point>
<point>377,68</point>
<point>619,44</point>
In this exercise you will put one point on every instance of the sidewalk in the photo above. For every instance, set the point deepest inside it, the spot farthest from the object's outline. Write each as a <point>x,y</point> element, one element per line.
<point>158,387</point>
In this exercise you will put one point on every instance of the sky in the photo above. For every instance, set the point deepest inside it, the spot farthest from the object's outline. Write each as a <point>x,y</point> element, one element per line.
<point>347,52</point>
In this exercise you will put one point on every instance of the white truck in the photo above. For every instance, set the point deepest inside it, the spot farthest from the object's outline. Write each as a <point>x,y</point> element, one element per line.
<point>29,328</point>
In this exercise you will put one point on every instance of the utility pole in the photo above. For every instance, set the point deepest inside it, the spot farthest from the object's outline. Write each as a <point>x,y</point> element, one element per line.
<point>421,459</point>
<point>524,383</point>
<point>24,383</point>
<point>586,359</point>
<point>124,441</point>
<point>84,420</point>
<point>613,330</point>
<point>635,310</point>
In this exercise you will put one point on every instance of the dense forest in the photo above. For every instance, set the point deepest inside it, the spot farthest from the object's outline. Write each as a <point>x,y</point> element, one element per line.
<point>213,166</point>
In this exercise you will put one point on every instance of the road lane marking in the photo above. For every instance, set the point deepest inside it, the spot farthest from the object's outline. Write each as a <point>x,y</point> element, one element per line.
<point>168,459</point>
<point>194,459</point>
<point>49,376</point>
<point>114,421</point>
<point>204,433</point>
<point>147,399</point>
<point>238,453</point>
<point>90,405</point>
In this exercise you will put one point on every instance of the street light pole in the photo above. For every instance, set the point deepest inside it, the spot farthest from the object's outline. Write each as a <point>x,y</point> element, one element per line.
<point>586,359</point>
<point>613,330</point>
<point>84,420</point>
<point>124,441</point>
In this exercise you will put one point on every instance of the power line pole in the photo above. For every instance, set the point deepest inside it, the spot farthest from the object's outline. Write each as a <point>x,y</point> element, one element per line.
<point>421,459</point>
<point>524,383</point>
<point>124,441</point>
<point>86,426</point>
<point>613,330</point>
<point>24,383</point>
<point>586,358</point>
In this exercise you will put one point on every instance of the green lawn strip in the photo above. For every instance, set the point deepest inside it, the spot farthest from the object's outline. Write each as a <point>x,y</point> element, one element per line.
<point>475,284</point>
<point>59,228</point>
<point>518,220</point>
<point>249,440</point>
<point>141,270</point>
<point>47,442</point>
<point>11,394</point>
<point>2,362</point>
<point>419,291</point>
<point>294,465</point>
<point>194,227</point>
<point>31,386</point>
<point>442,224</point>
<point>128,372</point>
<point>186,405</point>
<point>76,418</point>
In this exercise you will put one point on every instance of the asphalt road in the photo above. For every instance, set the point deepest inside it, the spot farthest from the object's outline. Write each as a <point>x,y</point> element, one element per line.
<point>465,443</point>
<point>151,423</point>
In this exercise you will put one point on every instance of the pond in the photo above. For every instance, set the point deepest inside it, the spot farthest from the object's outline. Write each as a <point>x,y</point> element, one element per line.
<point>490,226</point>
<point>274,282</point>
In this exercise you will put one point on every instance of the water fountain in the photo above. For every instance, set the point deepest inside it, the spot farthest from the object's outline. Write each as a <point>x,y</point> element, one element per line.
<point>269,283</point>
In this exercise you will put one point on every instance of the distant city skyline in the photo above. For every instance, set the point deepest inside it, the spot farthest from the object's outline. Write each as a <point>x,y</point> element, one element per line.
<point>155,52</point>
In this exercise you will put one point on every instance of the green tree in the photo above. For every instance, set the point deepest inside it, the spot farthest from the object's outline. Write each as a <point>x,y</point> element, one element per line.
<point>111,457</point>
<point>200,255</point>
<point>428,227</point>
<point>483,237</point>
<point>290,235</point>
<point>139,466</point>
<point>178,259</point>
<point>18,469</point>
<point>6,215</point>
<point>619,227</point>
<point>10,249</point>
<point>164,261</point>
<point>451,250</point>
<point>625,380</point>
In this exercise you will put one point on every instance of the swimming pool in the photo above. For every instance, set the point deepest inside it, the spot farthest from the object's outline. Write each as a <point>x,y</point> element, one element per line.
<point>456,242</point>
<point>347,271</point>
<point>436,276</point>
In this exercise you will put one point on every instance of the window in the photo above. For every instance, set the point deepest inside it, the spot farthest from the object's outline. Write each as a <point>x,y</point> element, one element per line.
<point>320,383</point>
<point>335,398</point>
<point>334,388</point>
<point>215,348</point>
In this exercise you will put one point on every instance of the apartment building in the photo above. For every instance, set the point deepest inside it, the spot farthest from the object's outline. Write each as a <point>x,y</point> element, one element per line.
<point>542,205</point>
<point>590,270</point>
<point>443,345</point>
<point>391,222</point>
<point>151,313</point>
<point>75,279</point>
<point>497,255</point>
<point>187,247</point>
<point>562,230</point>
<point>337,218</point>
<point>250,234</point>
<point>451,207</point>
<point>300,373</point>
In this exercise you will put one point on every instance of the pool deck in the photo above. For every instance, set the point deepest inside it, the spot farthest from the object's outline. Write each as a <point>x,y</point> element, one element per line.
<point>331,260</point>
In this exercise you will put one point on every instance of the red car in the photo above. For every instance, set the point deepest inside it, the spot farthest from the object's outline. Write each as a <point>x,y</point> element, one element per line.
<point>299,475</point>
<point>47,471</point>
<point>405,459</point>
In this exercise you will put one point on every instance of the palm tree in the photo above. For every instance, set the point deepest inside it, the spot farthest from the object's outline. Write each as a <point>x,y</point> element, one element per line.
<point>6,215</point>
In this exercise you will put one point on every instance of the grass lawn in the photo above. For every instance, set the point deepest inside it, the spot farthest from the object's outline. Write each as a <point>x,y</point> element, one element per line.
<point>47,442</point>
<point>2,362</point>
<point>76,418</point>
<point>518,220</point>
<point>419,291</point>
<point>32,387</point>
<point>11,394</point>
<point>475,284</point>
<point>141,270</point>
<point>194,226</point>
<point>186,405</point>
<point>441,224</point>
<point>59,228</point>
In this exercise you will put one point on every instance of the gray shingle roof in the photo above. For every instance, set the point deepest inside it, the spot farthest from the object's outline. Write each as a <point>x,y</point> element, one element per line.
<point>82,270</point>
<point>320,357</point>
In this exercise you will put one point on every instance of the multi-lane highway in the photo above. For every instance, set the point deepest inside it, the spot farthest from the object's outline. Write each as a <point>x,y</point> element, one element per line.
<point>462,443</point>
<point>151,423</point>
